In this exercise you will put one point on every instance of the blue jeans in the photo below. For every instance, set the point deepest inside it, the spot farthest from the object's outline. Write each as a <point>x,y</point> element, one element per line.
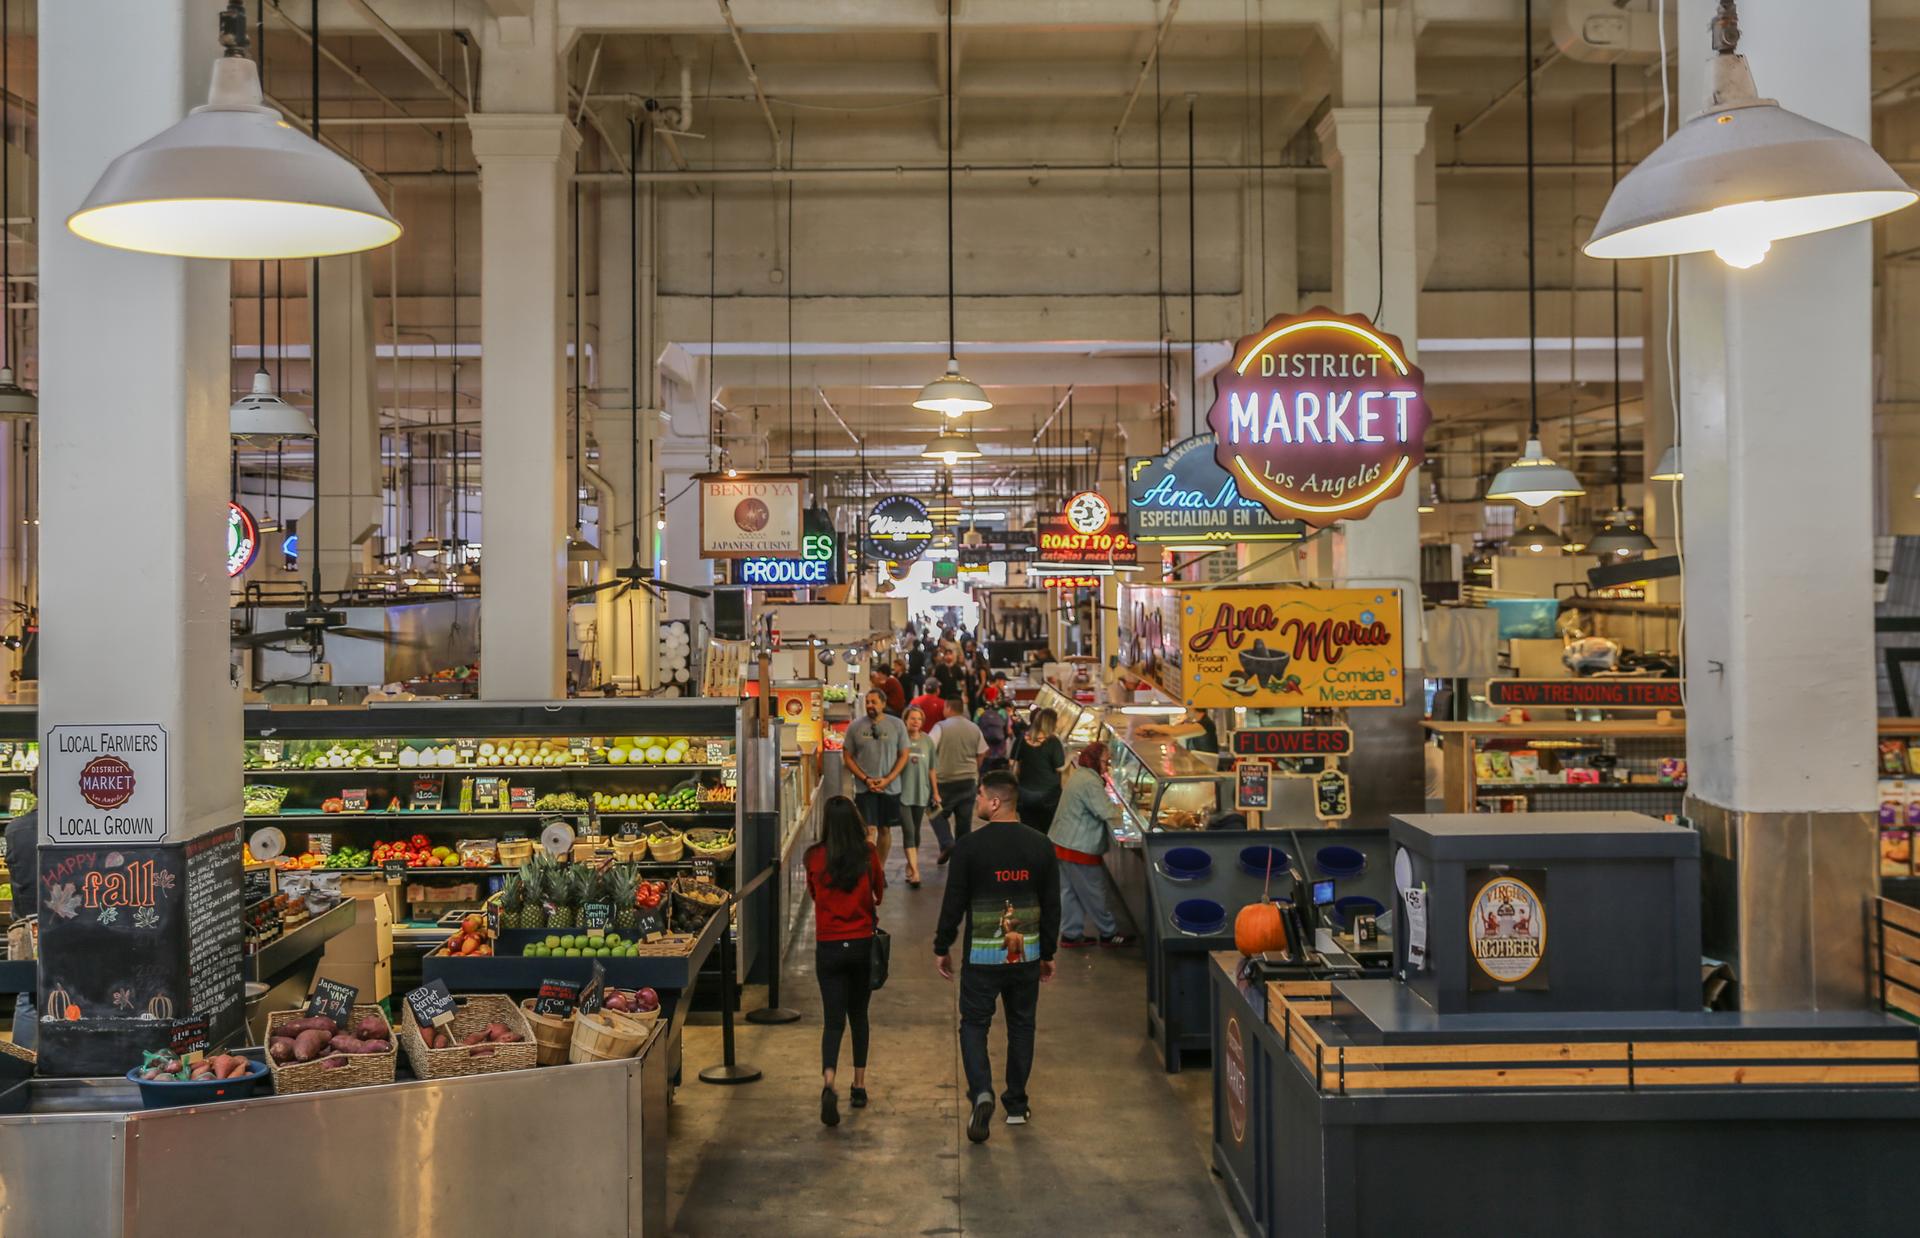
<point>956,802</point>
<point>26,1022</point>
<point>1083,892</point>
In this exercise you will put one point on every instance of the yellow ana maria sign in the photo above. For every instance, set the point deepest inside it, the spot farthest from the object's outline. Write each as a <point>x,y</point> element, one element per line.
<point>1276,647</point>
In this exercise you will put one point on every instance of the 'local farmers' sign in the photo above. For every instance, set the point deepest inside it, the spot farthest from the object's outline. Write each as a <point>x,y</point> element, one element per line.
<point>105,784</point>
<point>1274,647</point>
<point>1320,417</point>
<point>750,516</point>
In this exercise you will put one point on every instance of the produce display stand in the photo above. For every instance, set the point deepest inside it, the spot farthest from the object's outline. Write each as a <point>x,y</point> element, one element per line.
<point>1179,1008</point>
<point>1636,746</point>
<point>286,965</point>
<point>84,1159</point>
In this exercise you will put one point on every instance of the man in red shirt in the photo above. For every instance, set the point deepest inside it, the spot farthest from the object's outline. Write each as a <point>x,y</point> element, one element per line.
<point>890,688</point>
<point>931,705</point>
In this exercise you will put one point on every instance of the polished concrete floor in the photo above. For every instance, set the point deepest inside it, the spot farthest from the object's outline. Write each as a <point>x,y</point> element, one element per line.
<point>1116,1146</point>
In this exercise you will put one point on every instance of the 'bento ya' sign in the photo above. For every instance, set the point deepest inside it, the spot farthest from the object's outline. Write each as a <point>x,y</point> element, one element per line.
<point>1320,417</point>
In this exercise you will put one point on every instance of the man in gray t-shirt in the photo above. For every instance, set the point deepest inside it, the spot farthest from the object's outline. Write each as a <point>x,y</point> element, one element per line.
<point>958,748</point>
<point>875,752</point>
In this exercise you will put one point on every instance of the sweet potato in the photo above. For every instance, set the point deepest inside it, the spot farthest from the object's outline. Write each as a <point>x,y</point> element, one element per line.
<point>377,1046</point>
<point>370,1027</point>
<point>482,1051</point>
<point>238,1068</point>
<point>281,1050</point>
<point>474,1038</point>
<point>310,1044</point>
<point>317,1022</point>
<point>333,1063</point>
<point>344,1043</point>
<point>496,1030</point>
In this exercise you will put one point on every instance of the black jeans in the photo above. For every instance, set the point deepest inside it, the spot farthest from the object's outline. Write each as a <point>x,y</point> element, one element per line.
<point>845,972</point>
<point>878,809</point>
<point>956,803</point>
<point>1037,810</point>
<point>1017,986</point>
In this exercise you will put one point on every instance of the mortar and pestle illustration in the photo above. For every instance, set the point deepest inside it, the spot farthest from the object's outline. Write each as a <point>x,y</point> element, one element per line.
<point>1264,667</point>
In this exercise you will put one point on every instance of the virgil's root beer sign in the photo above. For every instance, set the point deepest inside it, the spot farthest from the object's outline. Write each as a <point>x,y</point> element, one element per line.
<point>1585,693</point>
<point>1320,417</point>
<point>1274,647</point>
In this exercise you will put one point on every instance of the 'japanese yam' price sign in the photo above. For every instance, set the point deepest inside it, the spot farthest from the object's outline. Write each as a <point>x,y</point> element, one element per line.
<point>190,1038</point>
<point>432,1004</point>
<point>1252,786</point>
<point>332,1000</point>
<point>556,998</point>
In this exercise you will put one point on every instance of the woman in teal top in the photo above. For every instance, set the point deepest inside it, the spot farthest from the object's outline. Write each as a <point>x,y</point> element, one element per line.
<point>916,790</point>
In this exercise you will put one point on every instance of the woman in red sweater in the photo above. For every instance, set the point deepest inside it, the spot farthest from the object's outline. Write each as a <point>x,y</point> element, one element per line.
<point>844,877</point>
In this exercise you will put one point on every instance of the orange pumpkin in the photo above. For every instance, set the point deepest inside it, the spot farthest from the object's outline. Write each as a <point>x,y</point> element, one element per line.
<point>1259,929</point>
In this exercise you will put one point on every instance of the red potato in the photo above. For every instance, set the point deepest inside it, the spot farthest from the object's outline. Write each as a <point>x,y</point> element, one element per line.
<point>281,1050</point>
<point>310,1044</point>
<point>474,1038</point>
<point>333,1063</point>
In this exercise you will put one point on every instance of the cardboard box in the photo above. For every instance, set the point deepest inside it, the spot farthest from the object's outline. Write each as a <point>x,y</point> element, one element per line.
<point>369,940</point>
<point>378,888</point>
<point>374,980</point>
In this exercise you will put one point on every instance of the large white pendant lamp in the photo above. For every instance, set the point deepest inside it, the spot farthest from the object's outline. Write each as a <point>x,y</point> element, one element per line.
<point>950,447</point>
<point>233,180</point>
<point>1669,468</point>
<point>1534,479</point>
<point>261,418</point>
<point>952,394</point>
<point>1742,174</point>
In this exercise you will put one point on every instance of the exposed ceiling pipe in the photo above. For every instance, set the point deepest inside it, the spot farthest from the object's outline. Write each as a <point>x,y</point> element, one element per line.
<point>1146,67</point>
<point>1050,416</point>
<point>411,56</point>
<point>759,92</point>
<point>822,397</point>
<point>353,74</point>
<point>1540,66</point>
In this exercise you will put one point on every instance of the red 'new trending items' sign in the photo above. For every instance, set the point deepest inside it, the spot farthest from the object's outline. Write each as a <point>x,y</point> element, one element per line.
<point>1586,693</point>
<point>1319,417</point>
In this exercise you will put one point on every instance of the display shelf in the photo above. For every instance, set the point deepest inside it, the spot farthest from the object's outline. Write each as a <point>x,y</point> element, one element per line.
<point>1488,786</point>
<point>1631,744</point>
<point>414,771</point>
<point>486,870</point>
<point>289,948</point>
<point>519,974</point>
<point>314,814</point>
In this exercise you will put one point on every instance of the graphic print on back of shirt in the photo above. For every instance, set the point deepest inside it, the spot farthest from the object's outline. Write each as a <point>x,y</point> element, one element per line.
<point>1004,931</point>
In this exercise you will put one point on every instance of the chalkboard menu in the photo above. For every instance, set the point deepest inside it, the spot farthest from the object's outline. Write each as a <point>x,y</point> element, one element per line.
<point>214,930</point>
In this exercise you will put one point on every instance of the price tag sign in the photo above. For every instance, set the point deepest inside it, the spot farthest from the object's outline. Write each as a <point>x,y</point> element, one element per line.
<point>432,1004</point>
<point>465,749</point>
<point>189,1040</point>
<point>386,751</point>
<point>332,1000</point>
<point>520,799</point>
<point>629,829</point>
<point>272,751</point>
<point>353,799</point>
<point>594,995</point>
<point>320,844</point>
<point>652,923</point>
<point>578,750</point>
<point>427,793</point>
<point>1252,786</point>
<point>596,918</point>
<point>396,870</point>
<point>716,751</point>
<point>493,919</point>
<point>556,998</point>
<point>703,869</point>
<point>514,836</point>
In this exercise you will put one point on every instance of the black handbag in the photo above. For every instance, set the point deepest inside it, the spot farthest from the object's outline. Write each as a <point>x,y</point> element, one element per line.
<point>879,952</point>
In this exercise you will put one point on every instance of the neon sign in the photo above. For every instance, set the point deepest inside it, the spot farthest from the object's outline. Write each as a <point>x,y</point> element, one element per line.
<point>1320,417</point>
<point>1087,533</point>
<point>1070,582</point>
<point>243,539</point>
<point>820,556</point>
<point>1185,496</point>
<point>898,529</point>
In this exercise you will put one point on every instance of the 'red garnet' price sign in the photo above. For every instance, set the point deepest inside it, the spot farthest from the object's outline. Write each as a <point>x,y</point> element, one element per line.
<point>1319,417</point>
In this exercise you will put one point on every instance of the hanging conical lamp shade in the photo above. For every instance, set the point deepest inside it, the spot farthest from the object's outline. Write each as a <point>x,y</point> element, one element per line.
<point>233,180</point>
<point>951,446</point>
<point>580,550</point>
<point>1534,480</point>
<point>429,547</point>
<point>1534,538</point>
<point>953,394</point>
<point>1743,174</point>
<point>262,418</point>
<point>1620,536</point>
<point>468,577</point>
<point>1669,467</point>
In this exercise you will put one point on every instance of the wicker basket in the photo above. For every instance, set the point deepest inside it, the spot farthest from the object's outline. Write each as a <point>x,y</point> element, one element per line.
<point>690,915</point>
<point>667,945</point>
<point>551,1034</point>
<point>473,1015</point>
<point>361,1069</point>
<point>668,849</point>
<point>515,852</point>
<point>724,852</point>
<point>607,1036</point>
<point>627,850</point>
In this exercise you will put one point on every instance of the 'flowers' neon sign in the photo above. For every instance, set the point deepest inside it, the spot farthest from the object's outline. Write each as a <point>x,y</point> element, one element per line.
<point>1320,417</point>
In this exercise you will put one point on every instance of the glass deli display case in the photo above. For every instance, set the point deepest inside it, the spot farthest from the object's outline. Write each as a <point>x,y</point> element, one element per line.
<point>1162,786</point>
<point>1079,724</point>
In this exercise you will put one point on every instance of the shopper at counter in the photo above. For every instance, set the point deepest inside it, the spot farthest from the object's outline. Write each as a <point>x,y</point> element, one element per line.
<point>846,879</point>
<point>1082,832</point>
<point>958,749</point>
<point>1038,763</point>
<point>1004,885</point>
<point>995,729</point>
<point>876,754</point>
<point>23,861</point>
<point>916,790</point>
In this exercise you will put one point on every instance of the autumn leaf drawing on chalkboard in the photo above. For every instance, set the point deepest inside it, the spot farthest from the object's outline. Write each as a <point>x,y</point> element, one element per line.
<point>163,879</point>
<point>146,917</point>
<point>109,915</point>
<point>63,900</point>
<point>123,999</point>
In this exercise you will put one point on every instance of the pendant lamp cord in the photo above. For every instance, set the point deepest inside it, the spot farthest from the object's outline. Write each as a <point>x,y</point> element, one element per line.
<point>6,178</point>
<point>1193,288</point>
<point>260,67</point>
<point>791,134</point>
<point>1533,344</point>
<point>1380,170</point>
<point>633,322</point>
<point>458,473</point>
<point>1613,174</point>
<point>579,404</point>
<point>953,334</point>
<point>313,299</point>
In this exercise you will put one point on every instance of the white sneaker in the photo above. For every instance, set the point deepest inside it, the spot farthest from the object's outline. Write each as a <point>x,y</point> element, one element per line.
<point>1020,1118</point>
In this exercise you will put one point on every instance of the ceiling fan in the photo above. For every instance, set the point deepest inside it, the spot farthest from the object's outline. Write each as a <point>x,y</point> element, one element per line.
<point>310,624</point>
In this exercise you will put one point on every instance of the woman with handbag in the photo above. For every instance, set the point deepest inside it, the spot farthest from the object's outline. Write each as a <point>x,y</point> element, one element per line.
<point>846,882</point>
<point>1082,832</point>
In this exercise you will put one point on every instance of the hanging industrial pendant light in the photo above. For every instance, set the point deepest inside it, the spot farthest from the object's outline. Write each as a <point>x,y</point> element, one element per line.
<point>1742,174</point>
<point>1534,479</point>
<point>1535,538</point>
<point>260,417</point>
<point>952,394</point>
<point>1431,503</point>
<point>1669,467</point>
<point>233,180</point>
<point>1620,536</point>
<point>951,446</point>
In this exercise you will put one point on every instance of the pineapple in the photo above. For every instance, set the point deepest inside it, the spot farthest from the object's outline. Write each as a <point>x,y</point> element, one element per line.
<point>539,886</point>
<point>569,891</point>
<point>512,898</point>
<point>624,886</point>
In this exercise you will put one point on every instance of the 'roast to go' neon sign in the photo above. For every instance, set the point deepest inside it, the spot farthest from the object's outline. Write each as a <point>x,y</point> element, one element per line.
<point>243,539</point>
<point>1319,417</point>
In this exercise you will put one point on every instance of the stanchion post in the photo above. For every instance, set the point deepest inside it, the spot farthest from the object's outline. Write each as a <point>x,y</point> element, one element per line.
<point>773,1011</point>
<point>729,1071</point>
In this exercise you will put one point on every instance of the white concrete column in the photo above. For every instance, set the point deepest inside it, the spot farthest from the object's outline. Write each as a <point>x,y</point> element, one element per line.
<point>1778,522</point>
<point>1373,144</point>
<point>133,416</point>
<point>679,456</point>
<point>1657,402</point>
<point>348,417</point>
<point>525,160</point>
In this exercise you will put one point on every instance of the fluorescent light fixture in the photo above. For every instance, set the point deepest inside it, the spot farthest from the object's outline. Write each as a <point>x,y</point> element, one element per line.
<point>1534,480</point>
<point>953,394</point>
<point>233,180</point>
<point>1154,711</point>
<point>1669,467</point>
<point>1199,548</point>
<point>262,418</point>
<point>1742,174</point>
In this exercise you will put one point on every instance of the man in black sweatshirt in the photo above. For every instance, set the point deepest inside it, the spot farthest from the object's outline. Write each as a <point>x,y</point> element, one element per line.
<point>1005,881</point>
